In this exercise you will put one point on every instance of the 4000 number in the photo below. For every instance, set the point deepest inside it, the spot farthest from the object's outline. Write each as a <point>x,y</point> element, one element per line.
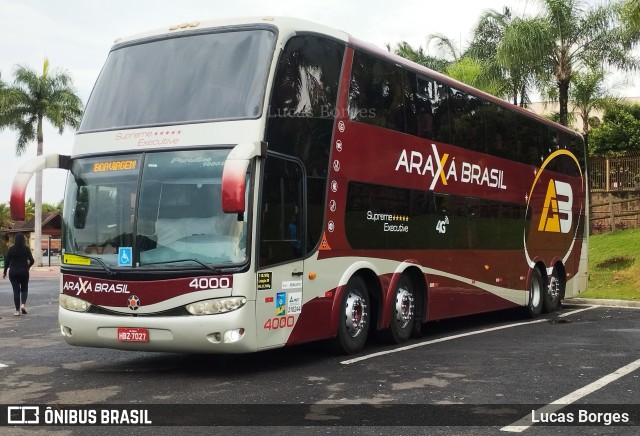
<point>210,283</point>
<point>279,322</point>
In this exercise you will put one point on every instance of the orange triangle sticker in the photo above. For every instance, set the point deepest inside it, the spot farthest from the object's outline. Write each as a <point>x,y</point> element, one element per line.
<point>324,245</point>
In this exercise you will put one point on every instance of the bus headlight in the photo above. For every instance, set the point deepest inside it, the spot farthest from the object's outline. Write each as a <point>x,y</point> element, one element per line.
<point>219,305</point>
<point>73,303</point>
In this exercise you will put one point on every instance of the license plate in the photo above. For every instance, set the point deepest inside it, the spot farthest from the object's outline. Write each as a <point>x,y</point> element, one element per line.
<point>133,335</point>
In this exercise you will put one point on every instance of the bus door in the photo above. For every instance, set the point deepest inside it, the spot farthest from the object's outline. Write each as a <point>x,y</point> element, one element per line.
<point>281,249</point>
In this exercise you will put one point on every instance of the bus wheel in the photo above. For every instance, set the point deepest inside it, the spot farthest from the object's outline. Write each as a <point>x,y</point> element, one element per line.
<point>535,294</point>
<point>402,311</point>
<point>553,292</point>
<point>353,324</point>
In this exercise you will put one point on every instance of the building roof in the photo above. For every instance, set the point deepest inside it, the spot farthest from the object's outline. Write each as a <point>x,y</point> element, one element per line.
<point>49,219</point>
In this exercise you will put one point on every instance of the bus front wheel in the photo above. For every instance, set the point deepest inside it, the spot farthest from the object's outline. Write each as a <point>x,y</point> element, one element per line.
<point>536,290</point>
<point>353,321</point>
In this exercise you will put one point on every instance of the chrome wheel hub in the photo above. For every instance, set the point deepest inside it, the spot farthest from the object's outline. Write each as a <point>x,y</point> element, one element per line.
<point>554,288</point>
<point>356,314</point>
<point>404,307</point>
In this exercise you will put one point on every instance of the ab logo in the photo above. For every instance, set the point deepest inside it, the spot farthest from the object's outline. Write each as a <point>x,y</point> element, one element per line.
<point>556,213</point>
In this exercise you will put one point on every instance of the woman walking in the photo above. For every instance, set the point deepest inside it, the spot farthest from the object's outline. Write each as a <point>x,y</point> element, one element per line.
<point>19,260</point>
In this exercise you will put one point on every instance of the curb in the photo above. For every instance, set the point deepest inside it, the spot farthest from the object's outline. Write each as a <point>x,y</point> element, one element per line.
<point>602,302</point>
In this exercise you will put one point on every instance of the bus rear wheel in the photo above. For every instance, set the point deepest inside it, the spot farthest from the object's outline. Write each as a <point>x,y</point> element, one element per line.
<point>535,294</point>
<point>353,322</point>
<point>402,312</point>
<point>553,292</point>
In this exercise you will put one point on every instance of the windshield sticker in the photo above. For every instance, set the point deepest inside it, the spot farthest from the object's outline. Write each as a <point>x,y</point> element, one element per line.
<point>72,259</point>
<point>205,161</point>
<point>125,257</point>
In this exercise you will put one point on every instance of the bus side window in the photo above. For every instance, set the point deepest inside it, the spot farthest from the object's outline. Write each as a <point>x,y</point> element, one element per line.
<point>418,106</point>
<point>281,222</point>
<point>376,93</point>
<point>302,110</point>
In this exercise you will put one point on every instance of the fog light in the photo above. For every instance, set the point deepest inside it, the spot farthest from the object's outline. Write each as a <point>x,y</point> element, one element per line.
<point>65,331</point>
<point>231,336</point>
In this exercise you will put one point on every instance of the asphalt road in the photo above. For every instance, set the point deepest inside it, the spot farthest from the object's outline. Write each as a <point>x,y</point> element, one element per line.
<point>475,375</point>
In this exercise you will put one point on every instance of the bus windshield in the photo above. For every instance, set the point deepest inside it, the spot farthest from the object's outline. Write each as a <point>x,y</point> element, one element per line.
<point>161,210</point>
<point>187,78</point>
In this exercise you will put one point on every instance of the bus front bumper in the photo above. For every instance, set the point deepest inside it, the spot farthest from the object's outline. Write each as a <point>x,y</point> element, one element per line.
<point>232,332</point>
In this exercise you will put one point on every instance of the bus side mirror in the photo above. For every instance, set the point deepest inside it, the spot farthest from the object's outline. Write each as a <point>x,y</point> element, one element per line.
<point>234,175</point>
<point>82,208</point>
<point>234,186</point>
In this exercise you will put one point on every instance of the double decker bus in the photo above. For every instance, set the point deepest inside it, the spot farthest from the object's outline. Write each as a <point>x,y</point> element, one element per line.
<point>248,184</point>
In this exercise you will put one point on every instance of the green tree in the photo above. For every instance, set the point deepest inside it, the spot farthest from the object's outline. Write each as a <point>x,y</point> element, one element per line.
<point>47,207</point>
<point>30,100</point>
<point>588,93</point>
<point>419,56</point>
<point>5,216</point>
<point>565,38</point>
<point>445,46</point>
<point>473,72</point>
<point>630,13</point>
<point>513,77</point>
<point>619,130</point>
<point>477,65</point>
<point>29,209</point>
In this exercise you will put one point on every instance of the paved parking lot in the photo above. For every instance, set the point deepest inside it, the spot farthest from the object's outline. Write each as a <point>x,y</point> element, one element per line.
<point>496,373</point>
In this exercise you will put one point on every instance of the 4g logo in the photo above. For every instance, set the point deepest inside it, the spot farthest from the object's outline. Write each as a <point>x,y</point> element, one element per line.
<point>441,227</point>
<point>557,211</point>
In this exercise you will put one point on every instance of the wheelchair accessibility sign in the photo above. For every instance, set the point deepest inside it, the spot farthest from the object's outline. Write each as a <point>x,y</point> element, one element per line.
<point>125,257</point>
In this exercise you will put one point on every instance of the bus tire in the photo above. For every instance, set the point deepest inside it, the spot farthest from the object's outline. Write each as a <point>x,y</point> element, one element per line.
<point>353,320</point>
<point>403,311</point>
<point>536,289</point>
<point>553,292</point>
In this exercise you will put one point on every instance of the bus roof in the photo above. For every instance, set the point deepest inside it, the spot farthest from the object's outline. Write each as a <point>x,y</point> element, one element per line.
<point>284,24</point>
<point>288,26</point>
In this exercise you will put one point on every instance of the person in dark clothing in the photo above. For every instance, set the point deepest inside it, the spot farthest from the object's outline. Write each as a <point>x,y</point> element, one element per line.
<point>19,260</point>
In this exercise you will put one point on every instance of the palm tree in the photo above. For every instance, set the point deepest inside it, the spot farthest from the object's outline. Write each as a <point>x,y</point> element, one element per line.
<point>631,13</point>
<point>445,46</point>
<point>419,56</point>
<point>29,209</point>
<point>512,78</point>
<point>451,62</point>
<point>588,93</point>
<point>473,72</point>
<point>565,38</point>
<point>27,103</point>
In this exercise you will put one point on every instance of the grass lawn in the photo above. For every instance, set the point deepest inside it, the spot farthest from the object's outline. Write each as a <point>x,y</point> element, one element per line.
<point>614,266</point>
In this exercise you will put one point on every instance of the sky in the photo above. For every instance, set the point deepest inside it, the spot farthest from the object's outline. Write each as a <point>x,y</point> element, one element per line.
<point>76,35</point>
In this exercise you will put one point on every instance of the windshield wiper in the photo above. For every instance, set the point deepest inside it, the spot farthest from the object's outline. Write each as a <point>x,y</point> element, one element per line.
<point>209,267</point>
<point>98,261</point>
